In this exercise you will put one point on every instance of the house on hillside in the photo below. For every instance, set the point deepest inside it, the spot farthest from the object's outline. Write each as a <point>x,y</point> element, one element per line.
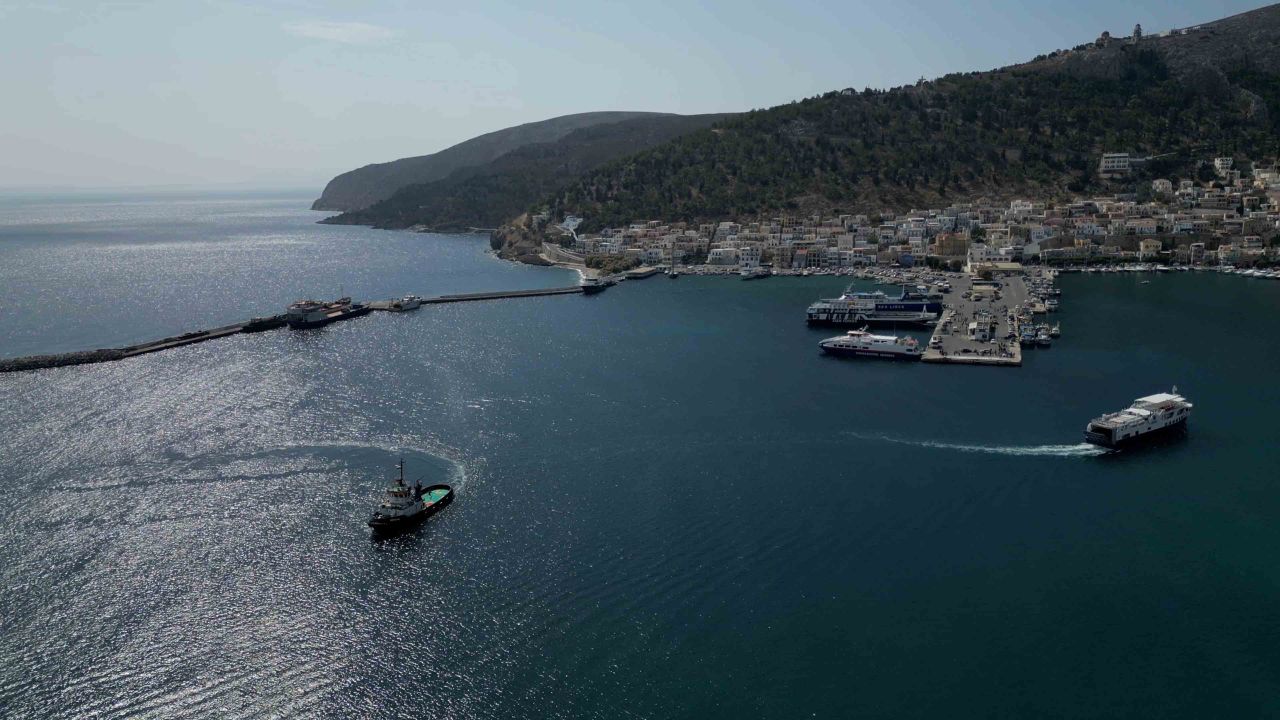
<point>1114,165</point>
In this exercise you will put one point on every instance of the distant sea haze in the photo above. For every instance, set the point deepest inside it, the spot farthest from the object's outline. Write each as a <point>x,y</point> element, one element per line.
<point>669,502</point>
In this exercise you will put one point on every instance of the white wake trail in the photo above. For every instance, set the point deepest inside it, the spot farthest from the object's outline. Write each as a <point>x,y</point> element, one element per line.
<point>1067,451</point>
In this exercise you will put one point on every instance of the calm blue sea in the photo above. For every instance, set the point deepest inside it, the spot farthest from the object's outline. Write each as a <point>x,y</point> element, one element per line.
<point>669,503</point>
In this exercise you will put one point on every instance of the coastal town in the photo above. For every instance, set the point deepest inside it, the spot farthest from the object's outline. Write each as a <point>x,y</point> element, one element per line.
<point>1228,216</point>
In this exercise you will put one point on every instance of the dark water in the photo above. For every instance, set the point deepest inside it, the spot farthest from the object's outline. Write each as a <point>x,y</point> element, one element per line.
<point>670,505</point>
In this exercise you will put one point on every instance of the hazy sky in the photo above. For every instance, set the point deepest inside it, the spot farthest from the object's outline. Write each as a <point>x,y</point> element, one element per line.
<point>290,93</point>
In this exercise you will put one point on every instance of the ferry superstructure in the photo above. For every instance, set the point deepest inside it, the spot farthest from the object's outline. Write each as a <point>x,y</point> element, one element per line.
<point>860,342</point>
<point>861,308</point>
<point>315,313</point>
<point>1148,417</point>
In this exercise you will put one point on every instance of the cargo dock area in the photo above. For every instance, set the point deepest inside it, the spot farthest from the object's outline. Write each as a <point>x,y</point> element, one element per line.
<point>986,322</point>
<point>976,327</point>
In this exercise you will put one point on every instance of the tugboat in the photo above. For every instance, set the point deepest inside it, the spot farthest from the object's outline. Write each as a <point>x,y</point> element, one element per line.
<point>404,506</point>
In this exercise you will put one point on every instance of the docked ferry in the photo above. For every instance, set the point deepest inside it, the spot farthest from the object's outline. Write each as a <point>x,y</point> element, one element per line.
<point>315,313</point>
<point>860,308</point>
<point>860,342</point>
<point>1148,418</point>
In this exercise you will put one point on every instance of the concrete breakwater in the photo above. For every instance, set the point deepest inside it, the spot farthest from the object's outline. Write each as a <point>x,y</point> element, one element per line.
<point>85,357</point>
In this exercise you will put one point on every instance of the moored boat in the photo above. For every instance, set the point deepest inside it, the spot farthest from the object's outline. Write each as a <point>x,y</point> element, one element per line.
<point>305,314</point>
<point>591,286</point>
<point>860,308</point>
<point>259,324</point>
<point>406,303</point>
<point>860,342</point>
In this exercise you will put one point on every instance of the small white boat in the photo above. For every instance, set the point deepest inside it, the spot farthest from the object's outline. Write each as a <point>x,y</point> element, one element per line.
<point>406,303</point>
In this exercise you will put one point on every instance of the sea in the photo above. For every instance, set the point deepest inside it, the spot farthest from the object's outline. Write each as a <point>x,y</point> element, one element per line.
<point>669,503</point>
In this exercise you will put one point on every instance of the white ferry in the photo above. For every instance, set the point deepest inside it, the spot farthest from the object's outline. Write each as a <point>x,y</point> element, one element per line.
<point>305,314</point>
<point>861,342</point>
<point>1147,418</point>
<point>860,308</point>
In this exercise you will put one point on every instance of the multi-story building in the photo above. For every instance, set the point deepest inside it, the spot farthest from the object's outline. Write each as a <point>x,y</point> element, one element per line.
<point>1114,165</point>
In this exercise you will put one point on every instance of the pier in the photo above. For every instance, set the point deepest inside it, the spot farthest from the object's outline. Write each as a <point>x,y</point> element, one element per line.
<point>976,330</point>
<point>86,357</point>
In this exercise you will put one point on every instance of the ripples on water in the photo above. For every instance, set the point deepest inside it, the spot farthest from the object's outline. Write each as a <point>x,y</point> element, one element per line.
<point>669,506</point>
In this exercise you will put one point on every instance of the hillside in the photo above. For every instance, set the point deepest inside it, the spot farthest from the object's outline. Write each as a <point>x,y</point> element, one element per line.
<point>365,186</point>
<point>1031,129</point>
<point>487,195</point>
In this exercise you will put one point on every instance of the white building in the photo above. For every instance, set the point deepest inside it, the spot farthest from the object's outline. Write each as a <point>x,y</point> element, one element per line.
<point>981,253</point>
<point>1114,164</point>
<point>722,256</point>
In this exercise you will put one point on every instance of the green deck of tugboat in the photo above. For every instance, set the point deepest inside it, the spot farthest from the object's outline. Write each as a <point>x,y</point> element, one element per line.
<point>434,496</point>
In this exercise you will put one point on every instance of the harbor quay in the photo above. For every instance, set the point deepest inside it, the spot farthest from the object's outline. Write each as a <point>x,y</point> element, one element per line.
<point>978,325</point>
